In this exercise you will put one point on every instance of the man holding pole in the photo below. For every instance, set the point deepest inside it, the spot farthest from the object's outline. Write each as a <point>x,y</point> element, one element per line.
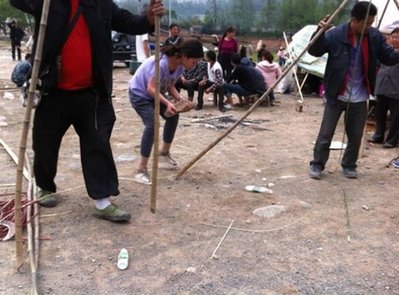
<point>353,51</point>
<point>76,86</point>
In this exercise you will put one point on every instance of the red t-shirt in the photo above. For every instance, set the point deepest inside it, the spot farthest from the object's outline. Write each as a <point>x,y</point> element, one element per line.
<point>76,61</point>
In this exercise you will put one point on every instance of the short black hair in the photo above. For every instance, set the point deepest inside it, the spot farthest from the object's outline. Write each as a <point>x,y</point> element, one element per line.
<point>236,58</point>
<point>172,25</point>
<point>211,55</point>
<point>363,8</point>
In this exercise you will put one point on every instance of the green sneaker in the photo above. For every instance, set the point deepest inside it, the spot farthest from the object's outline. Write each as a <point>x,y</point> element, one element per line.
<point>112,213</point>
<point>46,198</point>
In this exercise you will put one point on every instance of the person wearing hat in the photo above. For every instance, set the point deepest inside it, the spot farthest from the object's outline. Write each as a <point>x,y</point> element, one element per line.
<point>16,35</point>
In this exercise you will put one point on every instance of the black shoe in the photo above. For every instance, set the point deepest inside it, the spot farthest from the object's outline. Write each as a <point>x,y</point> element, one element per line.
<point>349,172</point>
<point>315,171</point>
<point>375,139</point>
<point>222,109</point>
<point>388,145</point>
<point>197,108</point>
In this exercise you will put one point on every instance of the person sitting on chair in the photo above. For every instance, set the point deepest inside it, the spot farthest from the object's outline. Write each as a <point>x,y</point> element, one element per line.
<point>213,82</point>
<point>249,81</point>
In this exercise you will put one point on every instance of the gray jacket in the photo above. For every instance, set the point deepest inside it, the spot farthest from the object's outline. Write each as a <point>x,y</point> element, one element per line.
<point>387,83</point>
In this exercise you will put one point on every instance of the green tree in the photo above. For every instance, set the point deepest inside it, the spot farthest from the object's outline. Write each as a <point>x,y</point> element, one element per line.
<point>267,21</point>
<point>242,14</point>
<point>7,11</point>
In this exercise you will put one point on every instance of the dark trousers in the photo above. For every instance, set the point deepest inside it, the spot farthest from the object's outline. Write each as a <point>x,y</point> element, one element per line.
<point>93,120</point>
<point>355,119</point>
<point>16,45</point>
<point>190,87</point>
<point>224,60</point>
<point>385,104</point>
<point>145,109</point>
<point>217,93</point>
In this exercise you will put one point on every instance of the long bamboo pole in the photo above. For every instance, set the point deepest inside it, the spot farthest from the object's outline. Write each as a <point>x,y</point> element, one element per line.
<point>24,136</point>
<point>154,173</point>
<point>383,14</point>
<point>256,104</point>
<point>291,55</point>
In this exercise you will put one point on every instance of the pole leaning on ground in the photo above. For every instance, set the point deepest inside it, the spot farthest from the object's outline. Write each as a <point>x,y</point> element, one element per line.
<point>154,173</point>
<point>256,104</point>
<point>396,3</point>
<point>24,136</point>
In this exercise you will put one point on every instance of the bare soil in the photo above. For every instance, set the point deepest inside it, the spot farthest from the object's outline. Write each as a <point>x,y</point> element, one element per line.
<point>336,236</point>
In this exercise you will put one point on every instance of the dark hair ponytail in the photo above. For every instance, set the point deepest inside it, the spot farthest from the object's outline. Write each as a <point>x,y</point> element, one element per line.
<point>190,48</point>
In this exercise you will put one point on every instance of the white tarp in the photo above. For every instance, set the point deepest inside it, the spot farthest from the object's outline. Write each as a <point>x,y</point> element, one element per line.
<point>309,63</point>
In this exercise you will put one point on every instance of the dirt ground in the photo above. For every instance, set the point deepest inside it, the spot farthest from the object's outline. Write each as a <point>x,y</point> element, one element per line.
<point>333,236</point>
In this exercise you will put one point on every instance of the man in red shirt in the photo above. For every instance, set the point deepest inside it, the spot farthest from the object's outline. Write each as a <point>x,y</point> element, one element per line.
<point>76,74</point>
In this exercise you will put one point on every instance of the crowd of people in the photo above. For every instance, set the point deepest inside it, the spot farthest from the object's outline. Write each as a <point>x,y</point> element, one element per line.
<point>80,92</point>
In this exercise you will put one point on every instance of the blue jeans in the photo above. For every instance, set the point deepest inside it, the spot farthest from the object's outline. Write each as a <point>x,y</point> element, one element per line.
<point>235,88</point>
<point>355,119</point>
<point>145,109</point>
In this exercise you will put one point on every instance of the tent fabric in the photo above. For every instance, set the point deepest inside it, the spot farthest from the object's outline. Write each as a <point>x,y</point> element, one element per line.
<point>311,64</point>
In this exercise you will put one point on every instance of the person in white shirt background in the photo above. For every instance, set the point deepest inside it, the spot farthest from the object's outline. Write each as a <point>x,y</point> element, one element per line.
<point>142,48</point>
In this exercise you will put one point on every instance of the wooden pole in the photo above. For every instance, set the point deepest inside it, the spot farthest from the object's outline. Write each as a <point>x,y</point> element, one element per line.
<point>156,117</point>
<point>24,136</point>
<point>396,3</point>
<point>383,14</point>
<point>255,105</point>
<point>299,103</point>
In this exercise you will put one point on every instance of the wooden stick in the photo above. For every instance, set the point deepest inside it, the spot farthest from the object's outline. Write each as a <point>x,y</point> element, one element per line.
<point>200,120</point>
<point>221,241</point>
<point>24,136</point>
<point>31,228</point>
<point>295,69</point>
<point>265,95</point>
<point>396,3</point>
<point>156,117</point>
<point>383,14</point>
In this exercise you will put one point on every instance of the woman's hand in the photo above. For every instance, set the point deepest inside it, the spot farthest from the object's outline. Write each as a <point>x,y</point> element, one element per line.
<point>170,109</point>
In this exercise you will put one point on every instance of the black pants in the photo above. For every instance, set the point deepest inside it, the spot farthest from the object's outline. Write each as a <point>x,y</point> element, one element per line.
<point>385,103</point>
<point>93,119</point>
<point>355,119</point>
<point>190,87</point>
<point>16,45</point>
<point>217,93</point>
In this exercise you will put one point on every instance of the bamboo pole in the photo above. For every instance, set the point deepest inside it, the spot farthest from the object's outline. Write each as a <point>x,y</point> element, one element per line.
<point>24,136</point>
<point>383,14</point>
<point>31,227</point>
<point>154,173</point>
<point>255,105</point>
<point>396,3</point>
<point>299,103</point>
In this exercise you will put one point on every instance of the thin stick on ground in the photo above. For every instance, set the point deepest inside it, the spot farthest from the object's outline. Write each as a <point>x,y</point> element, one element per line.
<point>156,118</point>
<point>265,95</point>
<point>221,241</point>
<point>348,224</point>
